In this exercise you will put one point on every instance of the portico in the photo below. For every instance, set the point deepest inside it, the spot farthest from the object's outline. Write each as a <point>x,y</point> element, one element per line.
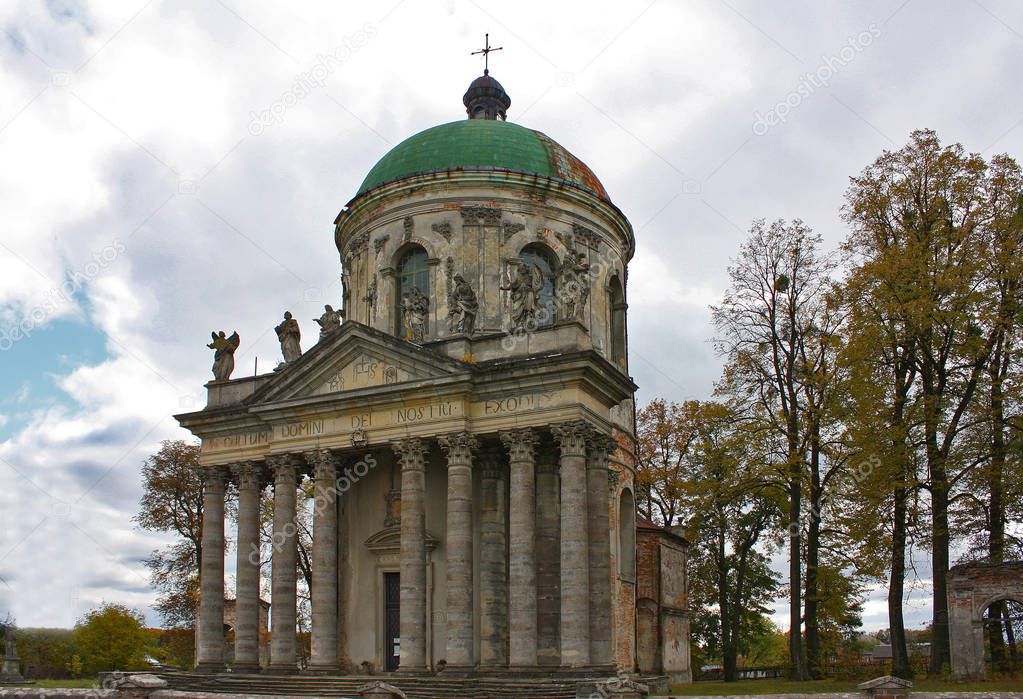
<point>470,447</point>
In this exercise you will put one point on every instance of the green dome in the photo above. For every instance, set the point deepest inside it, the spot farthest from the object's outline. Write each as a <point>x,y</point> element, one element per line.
<point>481,144</point>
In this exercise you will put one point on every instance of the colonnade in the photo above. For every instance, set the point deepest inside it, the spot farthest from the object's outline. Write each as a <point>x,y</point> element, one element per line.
<point>509,521</point>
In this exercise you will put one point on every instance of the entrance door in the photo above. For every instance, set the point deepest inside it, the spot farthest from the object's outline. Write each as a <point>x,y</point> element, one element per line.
<point>392,621</point>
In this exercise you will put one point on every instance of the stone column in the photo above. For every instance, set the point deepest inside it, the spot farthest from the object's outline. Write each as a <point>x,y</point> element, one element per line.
<point>493,563</point>
<point>210,646</point>
<point>412,454</point>
<point>283,659</point>
<point>522,624</point>
<point>324,593</point>
<point>458,542</point>
<point>246,630</point>
<point>575,578</point>
<point>548,559</point>
<point>599,534</point>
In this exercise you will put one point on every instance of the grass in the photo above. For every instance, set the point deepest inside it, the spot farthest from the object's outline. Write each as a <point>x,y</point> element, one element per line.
<point>835,686</point>
<point>79,683</point>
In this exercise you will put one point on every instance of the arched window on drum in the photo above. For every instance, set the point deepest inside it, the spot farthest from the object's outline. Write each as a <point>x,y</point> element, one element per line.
<point>541,260</point>
<point>412,292</point>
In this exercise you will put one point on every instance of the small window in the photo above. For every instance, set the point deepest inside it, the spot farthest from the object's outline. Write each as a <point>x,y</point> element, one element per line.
<point>542,258</point>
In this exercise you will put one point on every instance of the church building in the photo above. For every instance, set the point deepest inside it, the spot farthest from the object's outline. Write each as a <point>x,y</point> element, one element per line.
<point>467,419</point>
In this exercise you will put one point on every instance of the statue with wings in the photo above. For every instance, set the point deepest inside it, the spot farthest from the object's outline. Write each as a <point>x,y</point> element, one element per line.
<point>330,321</point>
<point>223,357</point>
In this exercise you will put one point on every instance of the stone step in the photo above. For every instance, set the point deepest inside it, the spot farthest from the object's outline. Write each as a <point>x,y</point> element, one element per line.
<point>345,686</point>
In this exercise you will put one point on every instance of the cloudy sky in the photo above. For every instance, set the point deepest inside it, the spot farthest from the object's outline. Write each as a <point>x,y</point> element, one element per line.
<point>163,177</point>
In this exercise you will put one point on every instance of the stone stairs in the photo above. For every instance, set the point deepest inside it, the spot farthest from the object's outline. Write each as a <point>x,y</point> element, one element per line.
<point>427,687</point>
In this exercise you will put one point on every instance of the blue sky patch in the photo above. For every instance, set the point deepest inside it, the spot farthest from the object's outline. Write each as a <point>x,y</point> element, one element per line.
<point>31,367</point>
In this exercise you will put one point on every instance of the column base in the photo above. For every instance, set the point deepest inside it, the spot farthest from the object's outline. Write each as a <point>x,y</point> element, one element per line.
<point>245,669</point>
<point>418,672</point>
<point>458,671</point>
<point>272,669</point>
<point>322,669</point>
<point>209,668</point>
<point>530,669</point>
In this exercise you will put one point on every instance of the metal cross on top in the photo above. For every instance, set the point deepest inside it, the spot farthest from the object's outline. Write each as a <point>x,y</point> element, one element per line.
<point>486,54</point>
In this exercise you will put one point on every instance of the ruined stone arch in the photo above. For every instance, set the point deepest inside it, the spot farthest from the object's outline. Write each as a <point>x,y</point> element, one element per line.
<point>972,588</point>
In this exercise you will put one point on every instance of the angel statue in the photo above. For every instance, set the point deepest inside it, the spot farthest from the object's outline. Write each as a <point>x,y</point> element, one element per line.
<point>414,309</point>
<point>573,284</point>
<point>525,284</point>
<point>223,356</point>
<point>463,307</point>
<point>290,336</point>
<point>329,321</point>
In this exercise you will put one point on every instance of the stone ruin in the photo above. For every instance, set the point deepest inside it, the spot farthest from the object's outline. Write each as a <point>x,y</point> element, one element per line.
<point>972,588</point>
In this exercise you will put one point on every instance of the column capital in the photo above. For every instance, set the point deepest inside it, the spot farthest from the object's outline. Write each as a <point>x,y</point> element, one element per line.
<point>572,437</point>
<point>613,477</point>
<point>600,447</point>
<point>459,445</point>
<point>284,467</point>
<point>214,478</point>
<point>521,443</point>
<point>411,453</point>
<point>325,463</point>
<point>248,474</point>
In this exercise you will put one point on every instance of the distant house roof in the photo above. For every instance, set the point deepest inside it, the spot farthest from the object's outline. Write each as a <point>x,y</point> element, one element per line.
<point>882,651</point>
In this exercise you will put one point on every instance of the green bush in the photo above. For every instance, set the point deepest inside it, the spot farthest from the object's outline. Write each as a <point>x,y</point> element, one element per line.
<point>112,637</point>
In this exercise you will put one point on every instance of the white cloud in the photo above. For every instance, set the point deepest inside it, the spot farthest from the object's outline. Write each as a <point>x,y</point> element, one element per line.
<point>111,120</point>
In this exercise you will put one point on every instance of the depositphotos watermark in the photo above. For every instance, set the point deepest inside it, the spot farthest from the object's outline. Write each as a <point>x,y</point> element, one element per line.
<point>346,478</point>
<point>316,77</point>
<point>815,80</point>
<point>76,279</point>
<point>849,482</point>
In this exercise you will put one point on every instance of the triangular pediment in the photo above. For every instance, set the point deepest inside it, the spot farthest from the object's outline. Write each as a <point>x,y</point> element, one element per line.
<point>356,357</point>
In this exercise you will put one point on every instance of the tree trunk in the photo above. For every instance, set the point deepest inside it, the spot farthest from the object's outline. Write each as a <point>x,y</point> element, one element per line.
<point>996,508</point>
<point>813,538</point>
<point>797,660</point>
<point>904,378</point>
<point>993,626</point>
<point>729,649</point>
<point>896,588</point>
<point>738,604</point>
<point>999,369</point>
<point>940,650</point>
<point>1010,635</point>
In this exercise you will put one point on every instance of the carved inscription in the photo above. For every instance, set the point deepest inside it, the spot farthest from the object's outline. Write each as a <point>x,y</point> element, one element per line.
<point>513,404</point>
<point>236,441</point>
<point>305,428</point>
<point>363,372</point>
<point>404,416</point>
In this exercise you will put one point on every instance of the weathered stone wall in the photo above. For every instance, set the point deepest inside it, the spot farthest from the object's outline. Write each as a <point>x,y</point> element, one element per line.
<point>648,610</point>
<point>473,229</point>
<point>662,635</point>
<point>623,617</point>
<point>972,588</point>
<point>674,618</point>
